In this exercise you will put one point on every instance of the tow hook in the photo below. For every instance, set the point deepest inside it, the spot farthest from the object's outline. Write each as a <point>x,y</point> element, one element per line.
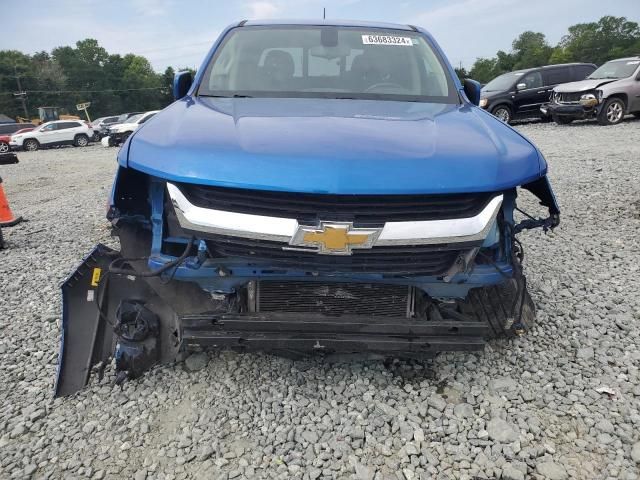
<point>137,330</point>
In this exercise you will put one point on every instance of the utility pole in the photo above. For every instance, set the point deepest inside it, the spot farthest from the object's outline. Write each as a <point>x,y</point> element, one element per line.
<point>21,95</point>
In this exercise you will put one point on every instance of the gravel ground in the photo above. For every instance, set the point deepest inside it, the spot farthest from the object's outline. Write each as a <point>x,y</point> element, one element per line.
<point>562,402</point>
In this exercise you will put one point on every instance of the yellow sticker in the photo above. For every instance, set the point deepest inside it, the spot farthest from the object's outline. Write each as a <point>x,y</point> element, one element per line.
<point>95,278</point>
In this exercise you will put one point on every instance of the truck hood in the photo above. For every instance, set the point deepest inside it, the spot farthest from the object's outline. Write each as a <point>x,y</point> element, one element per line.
<point>333,146</point>
<point>582,85</point>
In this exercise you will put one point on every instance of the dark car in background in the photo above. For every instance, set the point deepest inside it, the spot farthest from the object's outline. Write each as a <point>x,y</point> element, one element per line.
<point>520,94</point>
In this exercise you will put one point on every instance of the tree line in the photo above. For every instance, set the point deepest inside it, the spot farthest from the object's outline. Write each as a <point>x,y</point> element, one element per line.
<point>116,83</point>
<point>67,76</point>
<point>594,42</point>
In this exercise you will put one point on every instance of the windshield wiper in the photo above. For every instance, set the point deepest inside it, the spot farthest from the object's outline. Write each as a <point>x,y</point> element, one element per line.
<point>235,95</point>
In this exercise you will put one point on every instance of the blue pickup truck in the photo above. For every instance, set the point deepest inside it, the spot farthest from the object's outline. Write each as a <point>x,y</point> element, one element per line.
<point>319,186</point>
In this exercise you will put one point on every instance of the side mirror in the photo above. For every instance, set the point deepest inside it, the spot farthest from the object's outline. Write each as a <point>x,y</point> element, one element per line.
<point>521,86</point>
<point>472,90</point>
<point>181,84</point>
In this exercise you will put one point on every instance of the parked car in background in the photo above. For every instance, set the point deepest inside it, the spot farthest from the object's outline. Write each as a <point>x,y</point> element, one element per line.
<point>608,94</point>
<point>120,132</point>
<point>6,139</point>
<point>101,126</point>
<point>61,132</point>
<point>124,117</point>
<point>520,94</point>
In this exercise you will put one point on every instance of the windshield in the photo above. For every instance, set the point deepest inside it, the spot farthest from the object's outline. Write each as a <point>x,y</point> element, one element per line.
<point>327,62</point>
<point>616,69</point>
<point>503,82</point>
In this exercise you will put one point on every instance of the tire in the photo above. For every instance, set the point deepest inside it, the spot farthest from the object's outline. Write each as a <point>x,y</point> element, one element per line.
<point>31,145</point>
<point>499,307</point>
<point>563,120</point>
<point>4,147</point>
<point>636,114</point>
<point>545,118</point>
<point>503,112</point>
<point>124,137</point>
<point>96,137</point>
<point>81,140</point>
<point>612,112</point>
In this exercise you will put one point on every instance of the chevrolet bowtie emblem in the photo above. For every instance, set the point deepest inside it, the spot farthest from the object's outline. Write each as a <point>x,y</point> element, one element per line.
<point>335,238</point>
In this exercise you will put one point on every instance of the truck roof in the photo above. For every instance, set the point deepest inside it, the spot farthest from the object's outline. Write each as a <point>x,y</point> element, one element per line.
<point>327,22</point>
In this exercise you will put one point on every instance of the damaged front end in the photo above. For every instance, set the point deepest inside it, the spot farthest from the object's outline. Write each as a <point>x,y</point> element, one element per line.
<point>204,267</point>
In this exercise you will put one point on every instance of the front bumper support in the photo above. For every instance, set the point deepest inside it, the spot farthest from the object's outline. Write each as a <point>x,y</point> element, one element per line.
<point>576,111</point>
<point>140,322</point>
<point>341,334</point>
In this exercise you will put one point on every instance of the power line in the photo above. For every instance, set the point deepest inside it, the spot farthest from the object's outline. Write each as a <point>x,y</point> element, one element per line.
<point>108,90</point>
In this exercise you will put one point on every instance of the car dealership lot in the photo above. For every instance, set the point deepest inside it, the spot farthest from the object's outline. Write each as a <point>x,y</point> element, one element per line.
<point>563,402</point>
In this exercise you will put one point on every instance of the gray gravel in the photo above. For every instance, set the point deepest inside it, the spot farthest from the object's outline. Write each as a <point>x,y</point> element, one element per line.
<point>562,402</point>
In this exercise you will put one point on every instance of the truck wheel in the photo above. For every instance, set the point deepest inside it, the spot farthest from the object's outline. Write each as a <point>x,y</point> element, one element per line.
<point>562,120</point>
<point>612,112</point>
<point>81,141</point>
<point>502,112</point>
<point>31,145</point>
<point>4,147</point>
<point>499,306</point>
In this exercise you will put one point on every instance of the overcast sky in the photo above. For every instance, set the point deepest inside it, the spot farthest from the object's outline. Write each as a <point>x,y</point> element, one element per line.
<point>179,32</point>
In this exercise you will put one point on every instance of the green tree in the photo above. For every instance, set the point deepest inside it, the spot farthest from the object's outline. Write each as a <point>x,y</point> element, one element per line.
<point>167,84</point>
<point>597,42</point>
<point>15,70</point>
<point>505,62</point>
<point>559,55</point>
<point>530,49</point>
<point>484,69</point>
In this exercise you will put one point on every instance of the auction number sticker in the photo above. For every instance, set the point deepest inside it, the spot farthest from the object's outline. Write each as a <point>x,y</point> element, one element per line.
<point>386,40</point>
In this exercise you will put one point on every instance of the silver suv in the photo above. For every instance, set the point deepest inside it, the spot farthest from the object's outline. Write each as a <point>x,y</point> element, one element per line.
<point>608,94</point>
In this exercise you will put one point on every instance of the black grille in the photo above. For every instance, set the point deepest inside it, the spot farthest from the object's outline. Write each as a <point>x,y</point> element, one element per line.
<point>401,260</point>
<point>334,299</point>
<point>570,97</point>
<point>361,209</point>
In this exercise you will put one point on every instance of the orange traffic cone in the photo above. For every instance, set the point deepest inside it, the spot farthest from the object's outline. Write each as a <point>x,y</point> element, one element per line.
<point>7,218</point>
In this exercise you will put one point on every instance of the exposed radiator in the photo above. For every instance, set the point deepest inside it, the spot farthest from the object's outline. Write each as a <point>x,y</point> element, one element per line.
<point>333,299</point>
